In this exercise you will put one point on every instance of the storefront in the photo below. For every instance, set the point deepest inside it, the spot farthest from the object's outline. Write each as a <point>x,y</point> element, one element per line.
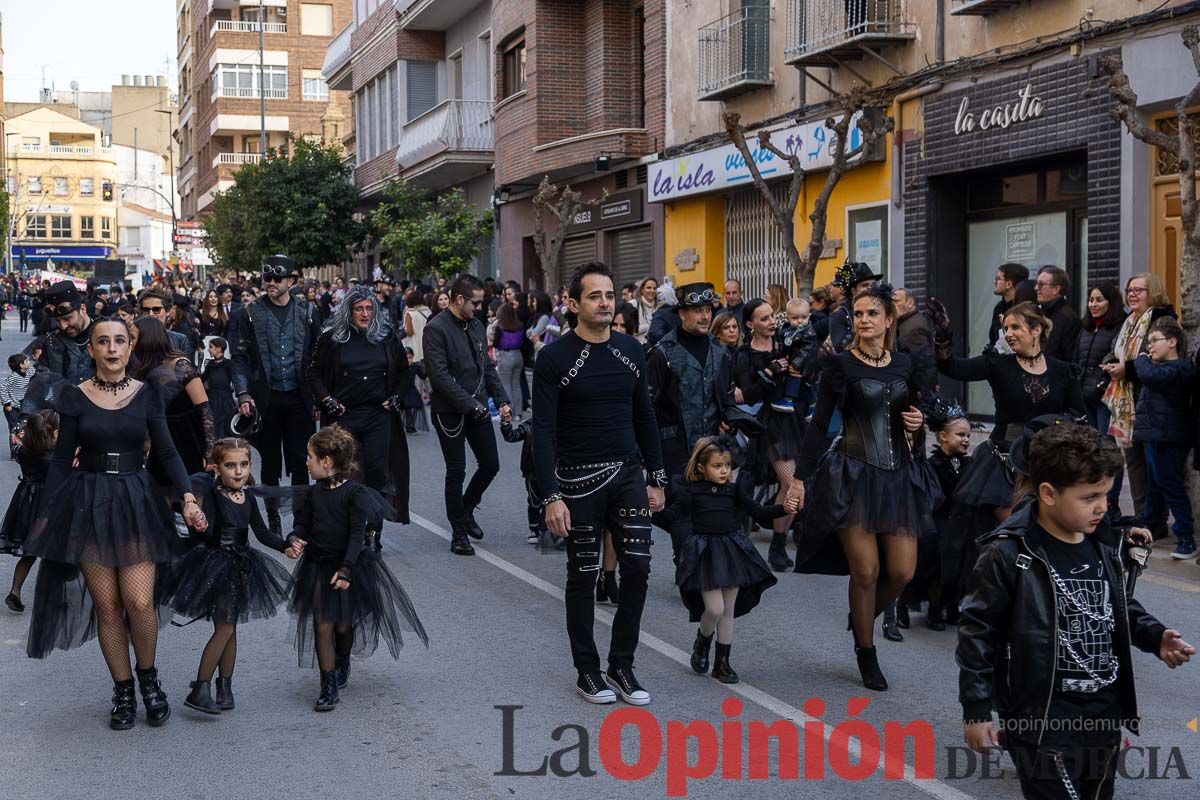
<point>75,260</point>
<point>1025,168</point>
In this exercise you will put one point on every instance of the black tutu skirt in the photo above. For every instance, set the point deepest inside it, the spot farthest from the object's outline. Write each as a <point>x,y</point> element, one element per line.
<point>708,562</point>
<point>101,518</point>
<point>62,616</point>
<point>376,605</point>
<point>226,585</point>
<point>18,519</point>
<point>848,493</point>
<point>987,480</point>
<point>782,440</point>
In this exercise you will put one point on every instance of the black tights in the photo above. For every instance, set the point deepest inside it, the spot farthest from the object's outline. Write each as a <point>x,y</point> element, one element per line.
<point>333,642</point>
<point>124,595</point>
<point>20,573</point>
<point>880,568</point>
<point>220,652</point>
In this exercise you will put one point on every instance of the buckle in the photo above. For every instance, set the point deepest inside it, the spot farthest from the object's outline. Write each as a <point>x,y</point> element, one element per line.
<point>112,463</point>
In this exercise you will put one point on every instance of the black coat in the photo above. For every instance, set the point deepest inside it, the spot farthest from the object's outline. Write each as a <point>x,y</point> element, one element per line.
<point>249,373</point>
<point>1163,410</point>
<point>1064,331</point>
<point>1095,344</point>
<point>455,355</point>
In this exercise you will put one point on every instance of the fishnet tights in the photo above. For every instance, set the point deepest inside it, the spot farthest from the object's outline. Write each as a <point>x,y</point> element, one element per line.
<point>220,652</point>
<point>332,641</point>
<point>784,470</point>
<point>125,612</point>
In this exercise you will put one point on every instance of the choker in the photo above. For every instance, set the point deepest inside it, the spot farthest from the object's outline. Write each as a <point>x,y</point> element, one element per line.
<point>230,493</point>
<point>870,359</point>
<point>111,386</point>
<point>332,482</point>
<point>1029,361</point>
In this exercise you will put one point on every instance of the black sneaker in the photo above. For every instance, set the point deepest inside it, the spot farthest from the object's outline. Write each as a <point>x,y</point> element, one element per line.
<point>590,687</point>
<point>622,680</point>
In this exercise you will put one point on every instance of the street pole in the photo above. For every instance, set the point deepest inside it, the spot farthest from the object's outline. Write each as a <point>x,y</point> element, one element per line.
<point>171,156</point>
<point>262,76</point>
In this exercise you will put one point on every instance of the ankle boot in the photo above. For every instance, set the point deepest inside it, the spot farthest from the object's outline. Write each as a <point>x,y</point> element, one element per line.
<point>200,698</point>
<point>124,706</point>
<point>777,555</point>
<point>154,699</point>
<point>891,631</point>
<point>902,617</point>
<point>868,668</point>
<point>225,693</point>
<point>722,670</point>
<point>606,588</point>
<point>342,667</point>
<point>935,618</point>
<point>328,699</point>
<point>700,650</point>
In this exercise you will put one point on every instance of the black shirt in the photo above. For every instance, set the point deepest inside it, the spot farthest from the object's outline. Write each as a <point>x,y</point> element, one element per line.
<point>363,377</point>
<point>591,404</point>
<point>714,509</point>
<point>333,522</point>
<point>696,345</point>
<point>1020,396</point>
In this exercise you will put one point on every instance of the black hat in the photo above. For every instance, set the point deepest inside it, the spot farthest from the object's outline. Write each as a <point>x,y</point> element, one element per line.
<point>853,273</point>
<point>1018,451</point>
<point>280,266</point>
<point>63,292</point>
<point>694,295</point>
<point>240,426</point>
<point>385,278</point>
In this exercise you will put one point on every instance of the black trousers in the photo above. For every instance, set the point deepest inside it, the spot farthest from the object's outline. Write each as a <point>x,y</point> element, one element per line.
<point>455,432</point>
<point>1066,772</point>
<point>24,319</point>
<point>372,428</point>
<point>283,439</point>
<point>600,497</point>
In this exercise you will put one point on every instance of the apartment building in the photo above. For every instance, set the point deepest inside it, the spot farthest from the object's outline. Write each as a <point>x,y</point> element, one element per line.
<point>220,86</point>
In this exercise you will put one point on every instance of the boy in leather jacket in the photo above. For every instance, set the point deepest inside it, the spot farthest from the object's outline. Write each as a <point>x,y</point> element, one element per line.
<point>1046,629</point>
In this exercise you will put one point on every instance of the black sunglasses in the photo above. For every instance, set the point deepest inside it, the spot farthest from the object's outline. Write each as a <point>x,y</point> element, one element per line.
<point>272,278</point>
<point>275,271</point>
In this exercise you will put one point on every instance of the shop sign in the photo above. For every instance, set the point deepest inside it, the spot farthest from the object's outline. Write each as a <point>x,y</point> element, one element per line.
<point>1024,108</point>
<point>619,209</point>
<point>1020,242</point>
<point>62,252</point>
<point>722,167</point>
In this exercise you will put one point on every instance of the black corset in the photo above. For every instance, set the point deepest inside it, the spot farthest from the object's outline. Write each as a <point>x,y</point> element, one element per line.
<point>872,429</point>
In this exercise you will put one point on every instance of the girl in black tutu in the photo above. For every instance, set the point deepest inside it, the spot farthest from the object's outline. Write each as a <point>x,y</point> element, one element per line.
<point>38,436</point>
<point>342,589</point>
<point>102,517</point>
<point>218,384</point>
<point>872,492</point>
<point>720,573</point>
<point>223,578</point>
<point>760,370</point>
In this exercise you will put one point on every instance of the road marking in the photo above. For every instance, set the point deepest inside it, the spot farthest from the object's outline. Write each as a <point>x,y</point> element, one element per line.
<point>781,709</point>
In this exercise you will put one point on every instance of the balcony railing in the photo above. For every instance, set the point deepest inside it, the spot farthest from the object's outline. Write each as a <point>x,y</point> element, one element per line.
<point>236,159</point>
<point>452,126</point>
<point>981,8</point>
<point>735,53</point>
<point>64,149</point>
<point>822,31</point>
<point>238,26</point>
<point>248,93</point>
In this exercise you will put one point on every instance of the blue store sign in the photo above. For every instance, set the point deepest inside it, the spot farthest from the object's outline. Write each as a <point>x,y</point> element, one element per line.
<point>61,252</point>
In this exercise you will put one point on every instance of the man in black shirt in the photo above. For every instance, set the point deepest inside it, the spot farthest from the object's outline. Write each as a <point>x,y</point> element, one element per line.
<point>1004,287</point>
<point>594,432</point>
<point>1053,289</point>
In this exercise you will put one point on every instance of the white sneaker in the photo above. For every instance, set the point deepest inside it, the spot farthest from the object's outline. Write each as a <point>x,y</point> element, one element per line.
<point>622,679</point>
<point>591,688</point>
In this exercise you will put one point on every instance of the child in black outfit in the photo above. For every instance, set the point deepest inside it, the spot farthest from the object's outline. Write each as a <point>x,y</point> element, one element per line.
<point>949,459</point>
<point>222,578</point>
<point>1054,572</point>
<point>523,432</point>
<point>218,384</point>
<point>38,437</point>
<point>720,573</point>
<point>341,587</point>
<point>410,397</point>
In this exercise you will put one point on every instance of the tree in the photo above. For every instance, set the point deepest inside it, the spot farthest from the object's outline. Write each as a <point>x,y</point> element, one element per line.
<point>563,205</point>
<point>804,265</point>
<point>299,200</point>
<point>427,235</point>
<point>4,220</point>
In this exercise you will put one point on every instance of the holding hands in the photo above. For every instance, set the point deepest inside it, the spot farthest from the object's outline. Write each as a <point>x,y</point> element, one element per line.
<point>295,547</point>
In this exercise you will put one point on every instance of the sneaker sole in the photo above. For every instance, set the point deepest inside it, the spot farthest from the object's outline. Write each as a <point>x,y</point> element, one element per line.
<point>633,701</point>
<point>1182,556</point>
<point>600,698</point>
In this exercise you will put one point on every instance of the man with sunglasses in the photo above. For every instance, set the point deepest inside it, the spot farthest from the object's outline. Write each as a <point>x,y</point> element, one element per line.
<point>463,377</point>
<point>65,352</point>
<point>272,340</point>
<point>156,302</point>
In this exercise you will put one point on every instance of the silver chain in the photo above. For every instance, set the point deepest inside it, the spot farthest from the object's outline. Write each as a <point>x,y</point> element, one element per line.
<point>1105,616</point>
<point>1112,676</point>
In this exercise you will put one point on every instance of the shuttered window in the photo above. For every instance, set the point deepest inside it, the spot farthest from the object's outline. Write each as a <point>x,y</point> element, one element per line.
<point>576,252</point>
<point>422,87</point>
<point>754,250</point>
<point>632,255</point>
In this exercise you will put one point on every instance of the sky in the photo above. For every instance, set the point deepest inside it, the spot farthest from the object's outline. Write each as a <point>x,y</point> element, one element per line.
<point>93,42</point>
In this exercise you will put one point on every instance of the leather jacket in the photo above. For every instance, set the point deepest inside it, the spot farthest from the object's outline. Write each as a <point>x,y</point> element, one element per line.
<point>459,369</point>
<point>1007,643</point>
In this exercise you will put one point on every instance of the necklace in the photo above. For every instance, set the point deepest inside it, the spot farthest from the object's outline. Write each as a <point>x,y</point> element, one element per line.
<point>333,482</point>
<point>877,361</point>
<point>111,386</point>
<point>233,494</point>
<point>1029,361</point>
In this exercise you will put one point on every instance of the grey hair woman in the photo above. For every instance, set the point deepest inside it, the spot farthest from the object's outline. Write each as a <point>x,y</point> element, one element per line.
<point>342,318</point>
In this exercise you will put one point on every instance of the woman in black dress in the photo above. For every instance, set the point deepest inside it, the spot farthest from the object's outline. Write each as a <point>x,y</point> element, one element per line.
<point>872,488</point>
<point>102,516</point>
<point>213,321</point>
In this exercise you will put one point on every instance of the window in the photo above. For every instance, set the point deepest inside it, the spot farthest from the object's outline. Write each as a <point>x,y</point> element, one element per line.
<point>60,227</point>
<point>454,68</point>
<point>241,80</point>
<point>35,228</point>
<point>131,237</point>
<point>314,85</point>
<point>106,227</point>
<point>87,227</point>
<point>87,187</point>
<point>35,185</point>
<point>60,187</point>
<point>10,184</point>
<point>422,87</point>
<point>514,69</point>
<point>485,60</point>
<point>316,20</point>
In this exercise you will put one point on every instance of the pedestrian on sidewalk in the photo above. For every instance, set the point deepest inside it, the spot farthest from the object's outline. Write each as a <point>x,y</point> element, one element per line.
<point>12,391</point>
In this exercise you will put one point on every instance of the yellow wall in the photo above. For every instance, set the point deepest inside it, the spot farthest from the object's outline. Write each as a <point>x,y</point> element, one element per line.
<point>698,223</point>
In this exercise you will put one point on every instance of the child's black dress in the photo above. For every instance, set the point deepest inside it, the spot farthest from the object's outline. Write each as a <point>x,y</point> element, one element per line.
<point>222,578</point>
<point>333,523</point>
<point>218,384</point>
<point>23,506</point>
<point>716,553</point>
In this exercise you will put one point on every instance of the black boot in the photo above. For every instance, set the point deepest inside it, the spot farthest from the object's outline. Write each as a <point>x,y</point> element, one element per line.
<point>902,618</point>
<point>225,693</point>
<point>722,670</point>
<point>700,650</point>
<point>154,699</point>
<point>471,526</point>
<point>460,544</point>
<point>935,617</point>
<point>868,668</point>
<point>606,588</point>
<point>891,630</point>
<point>342,667</point>
<point>777,555</point>
<point>200,698</point>
<point>124,706</point>
<point>274,522</point>
<point>328,699</point>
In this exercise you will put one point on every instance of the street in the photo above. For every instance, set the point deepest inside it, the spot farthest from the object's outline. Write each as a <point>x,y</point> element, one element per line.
<point>432,725</point>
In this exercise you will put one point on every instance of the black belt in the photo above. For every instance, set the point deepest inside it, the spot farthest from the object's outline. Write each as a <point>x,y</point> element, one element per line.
<point>112,463</point>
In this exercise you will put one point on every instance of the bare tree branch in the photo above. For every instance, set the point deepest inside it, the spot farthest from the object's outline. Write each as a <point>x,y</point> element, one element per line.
<point>1127,105</point>
<point>563,204</point>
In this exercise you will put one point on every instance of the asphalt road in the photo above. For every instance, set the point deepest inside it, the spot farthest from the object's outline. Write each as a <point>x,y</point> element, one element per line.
<point>433,724</point>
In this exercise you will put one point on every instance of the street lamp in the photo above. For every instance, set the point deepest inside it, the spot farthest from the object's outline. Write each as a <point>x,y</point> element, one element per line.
<point>12,210</point>
<point>171,156</point>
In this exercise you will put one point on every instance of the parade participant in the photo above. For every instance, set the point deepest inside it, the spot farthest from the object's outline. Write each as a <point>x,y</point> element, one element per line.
<point>65,352</point>
<point>158,303</point>
<point>410,396</point>
<point>272,340</point>
<point>594,432</point>
<point>218,384</point>
<point>851,277</point>
<point>222,578</point>
<point>727,330</point>
<point>213,318</point>
<point>463,378</point>
<point>389,301</point>
<point>523,433</point>
<point>1008,278</point>
<point>357,377</point>
<point>1106,315</point>
<point>1053,288</point>
<point>720,574</point>
<point>872,491</point>
<point>938,564</point>
<point>1053,573</point>
<point>37,438</point>
<point>342,589</point>
<point>102,515</point>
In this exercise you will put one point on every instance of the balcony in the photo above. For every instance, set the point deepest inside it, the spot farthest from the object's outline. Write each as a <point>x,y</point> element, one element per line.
<point>447,144</point>
<point>60,150</point>
<point>337,59</point>
<point>735,54</point>
<point>981,8</point>
<point>823,33</point>
<point>247,93</point>
<point>238,26</point>
<point>236,159</point>
<point>432,15</point>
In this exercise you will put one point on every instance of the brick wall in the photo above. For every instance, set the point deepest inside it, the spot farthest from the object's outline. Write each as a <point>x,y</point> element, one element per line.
<point>378,43</point>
